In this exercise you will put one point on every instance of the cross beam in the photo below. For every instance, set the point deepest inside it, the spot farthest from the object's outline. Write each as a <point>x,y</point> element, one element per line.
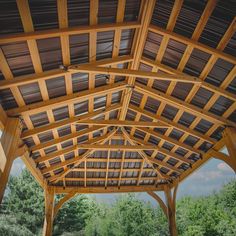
<point>119,123</point>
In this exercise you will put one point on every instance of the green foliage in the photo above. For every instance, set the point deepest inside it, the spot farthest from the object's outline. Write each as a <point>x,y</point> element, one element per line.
<point>128,216</point>
<point>23,211</point>
<point>25,201</point>
<point>9,226</point>
<point>211,215</point>
<point>73,214</point>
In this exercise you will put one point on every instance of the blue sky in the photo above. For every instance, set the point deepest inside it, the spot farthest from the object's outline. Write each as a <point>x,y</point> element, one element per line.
<point>210,177</point>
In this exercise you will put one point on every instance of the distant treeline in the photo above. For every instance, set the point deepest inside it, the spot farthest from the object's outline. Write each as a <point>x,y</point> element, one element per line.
<point>22,214</point>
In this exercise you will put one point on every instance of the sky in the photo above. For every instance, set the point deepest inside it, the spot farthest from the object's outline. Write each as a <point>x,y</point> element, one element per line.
<point>209,178</point>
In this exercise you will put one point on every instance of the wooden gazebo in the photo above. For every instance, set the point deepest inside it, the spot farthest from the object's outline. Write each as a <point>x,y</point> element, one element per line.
<point>107,96</point>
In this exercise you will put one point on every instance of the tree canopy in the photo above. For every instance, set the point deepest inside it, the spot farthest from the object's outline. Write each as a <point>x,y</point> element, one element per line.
<point>22,213</point>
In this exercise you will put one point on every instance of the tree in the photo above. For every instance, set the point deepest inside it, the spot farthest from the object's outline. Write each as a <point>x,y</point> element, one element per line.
<point>73,215</point>
<point>25,201</point>
<point>128,216</point>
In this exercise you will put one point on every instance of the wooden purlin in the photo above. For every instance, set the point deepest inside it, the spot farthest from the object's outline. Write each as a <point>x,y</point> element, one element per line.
<point>183,106</point>
<point>171,169</point>
<point>216,52</point>
<point>170,26</point>
<point>195,36</point>
<point>52,33</point>
<point>25,14</point>
<point>69,121</point>
<point>47,75</point>
<point>65,47</point>
<point>164,120</point>
<point>149,160</point>
<point>76,161</point>
<point>65,138</point>
<point>116,47</point>
<point>138,45</point>
<point>108,163</point>
<point>190,96</point>
<point>220,91</point>
<point>65,100</point>
<point>122,164</point>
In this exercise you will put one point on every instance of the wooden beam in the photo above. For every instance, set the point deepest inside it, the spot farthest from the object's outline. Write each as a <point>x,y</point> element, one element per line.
<point>10,141</point>
<point>135,73</point>
<point>205,157</point>
<point>109,189</point>
<point>175,125</point>
<point>76,160</point>
<point>65,138</point>
<point>171,209</point>
<point>107,167</point>
<point>52,155</point>
<point>151,160</point>
<point>69,121</point>
<point>217,90</point>
<point>171,140</point>
<point>3,118</point>
<point>78,169</point>
<point>49,210</point>
<point>122,164</point>
<point>51,74</point>
<point>195,36</point>
<point>182,105</point>
<point>193,43</point>
<point>65,100</point>
<point>229,135</point>
<point>163,151</point>
<point>116,48</point>
<point>119,123</point>
<point>62,201</point>
<point>52,33</point>
<point>147,8</point>
<point>159,200</point>
<point>104,179</point>
<point>112,147</point>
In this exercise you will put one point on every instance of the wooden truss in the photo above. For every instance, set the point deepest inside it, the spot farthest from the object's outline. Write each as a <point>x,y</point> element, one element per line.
<point>135,147</point>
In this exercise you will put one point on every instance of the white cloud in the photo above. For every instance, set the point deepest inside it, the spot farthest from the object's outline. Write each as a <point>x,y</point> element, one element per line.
<point>207,175</point>
<point>224,167</point>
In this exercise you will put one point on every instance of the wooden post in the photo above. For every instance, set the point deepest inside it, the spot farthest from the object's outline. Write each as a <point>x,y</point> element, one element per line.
<point>171,209</point>
<point>168,208</point>
<point>49,210</point>
<point>10,141</point>
<point>229,135</point>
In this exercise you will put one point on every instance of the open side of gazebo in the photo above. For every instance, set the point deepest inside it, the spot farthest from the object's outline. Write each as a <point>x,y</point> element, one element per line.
<point>106,96</point>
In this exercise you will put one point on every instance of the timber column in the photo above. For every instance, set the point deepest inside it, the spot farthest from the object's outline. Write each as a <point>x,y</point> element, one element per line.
<point>168,207</point>
<point>171,209</point>
<point>10,141</point>
<point>49,209</point>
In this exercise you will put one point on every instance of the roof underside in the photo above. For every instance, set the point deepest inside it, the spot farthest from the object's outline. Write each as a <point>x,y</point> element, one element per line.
<point>195,39</point>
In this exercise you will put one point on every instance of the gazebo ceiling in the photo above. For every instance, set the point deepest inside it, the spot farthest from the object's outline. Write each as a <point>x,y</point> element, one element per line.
<point>118,95</point>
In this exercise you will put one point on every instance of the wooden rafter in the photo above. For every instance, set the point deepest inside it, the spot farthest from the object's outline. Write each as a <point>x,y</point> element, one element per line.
<point>77,160</point>
<point>69,121</point>
<point>65,100</point>
<point>42,34</point>
<point>94,126</point>
<point>135,73</point>
<point>47,75</point>
<point>120,123</point>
